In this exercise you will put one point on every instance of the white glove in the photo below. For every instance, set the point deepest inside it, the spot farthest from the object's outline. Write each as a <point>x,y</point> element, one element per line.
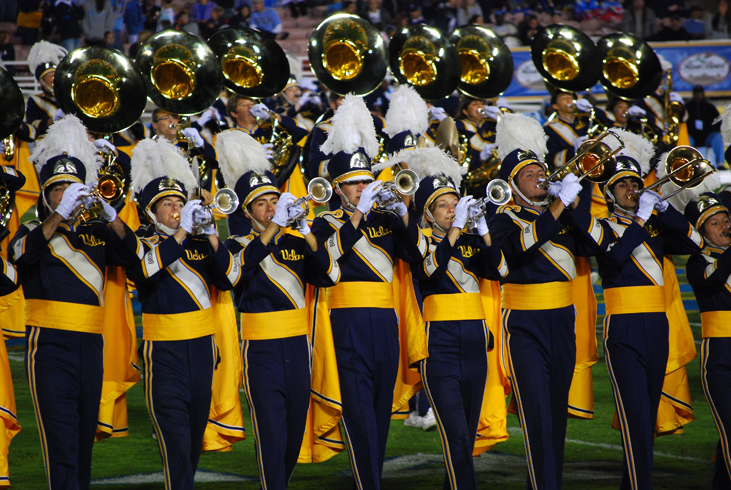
<point>268,150</point>
<point>648,200</point>
<point>398,207</point>
<point>368,196</point>
<point>261,111</point>
<point>661,206</point>
<point>554,188</point>
<point>486,152</point>
<point>208,230</point>
<point>579,141</point>
<point>204,118</point>
<point>570,188</point>
<point>482,228</point>
<point>59,115</point>
<point>2,146</point>
<point>303,227</point>
<point>101,143</point>
<point>635,111</point>
<point>583,105</point>
<point>675,97</point>
<point>315,99</point>
<point>281,215</point>
<point>194,137</point>
<point>186,215</point>
<point>437,113</point>
<point>108,212</point>
<point>461,211</point>
<point>492,112</point>
<point>304,98</point>
<point>503,103</point>
<point>70,199</point>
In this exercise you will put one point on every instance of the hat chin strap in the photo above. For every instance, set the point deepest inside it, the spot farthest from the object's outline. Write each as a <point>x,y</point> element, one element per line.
<point>159,226</point>
<point>628,212</point>
<point>348,204</point>
<point>530,203</point>
<point>434,222</point>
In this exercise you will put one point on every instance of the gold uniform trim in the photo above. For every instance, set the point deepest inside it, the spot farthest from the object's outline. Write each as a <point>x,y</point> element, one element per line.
<point>360,295</point>
<point>451,307</point>
<point>635,299</point>
<point>545,296</point>
<point>64,316</point>
<point>716,324</point>
<point>274,324</point>
<point>178,326</point>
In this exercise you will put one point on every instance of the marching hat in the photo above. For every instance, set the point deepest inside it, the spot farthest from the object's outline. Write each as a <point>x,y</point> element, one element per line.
<point>407,118</point>
<point>43,58</point>
<point>698,210</point>
<point>633,160</point>
<point>521,141</point>
<point>244,165</point>
<point>12,178</point>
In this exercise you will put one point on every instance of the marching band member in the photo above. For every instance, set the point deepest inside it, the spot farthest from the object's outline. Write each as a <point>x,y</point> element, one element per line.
<point>476,121</point>
<point>247,115</point>
<point>275,268</point>
<point>304,107</point>
<point>61,263</point>
<point>623,115</point>
<point>42,60</point>
<point>540,240</point>
<point>365,242</point>
<point>455,372</point>
<point>654,108</point>
<point>567,129</point>
<point>9,297</point>
<point>173,274</point>
<point>636,326</point>
<point>709,273</point>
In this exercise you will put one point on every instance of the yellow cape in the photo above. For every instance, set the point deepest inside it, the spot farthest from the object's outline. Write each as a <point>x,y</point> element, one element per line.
<point>9,423</point>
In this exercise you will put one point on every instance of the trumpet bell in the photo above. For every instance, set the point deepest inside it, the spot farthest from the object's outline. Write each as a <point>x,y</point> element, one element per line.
<point>406,182</point>
<point>422,57</point>
<point>498,192</point>
<point>347,55</point>
<point>320,190</point>
<point>110,188</point>
<point>226,201</point>
<point>629,68</point>
<point>252,64</point>
<point>181,73</point>
<point>486,62</point>
<point>101,87</point>
<point>565,57</point>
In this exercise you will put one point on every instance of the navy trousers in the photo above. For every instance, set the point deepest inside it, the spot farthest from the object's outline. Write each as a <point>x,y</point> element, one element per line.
<point>636,353</point>
<point>367,352</point>
<point>542,355</point>
<point>277,385</point>
<point>454,377</point>
<point>716,380</point>
<point>65,371</point>
<point>178,383</point>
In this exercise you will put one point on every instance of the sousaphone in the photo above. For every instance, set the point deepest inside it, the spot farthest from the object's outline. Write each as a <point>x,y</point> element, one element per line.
<point>630,68</point>
<point>348,55</point>
<point>14,111</point>
<point>566,58</point>
<point>421,56</point>
<point>181,73</point>
<point>487,64</point>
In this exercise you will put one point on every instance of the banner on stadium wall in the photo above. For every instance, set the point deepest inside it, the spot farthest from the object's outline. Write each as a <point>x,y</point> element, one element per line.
<point>706,63</point>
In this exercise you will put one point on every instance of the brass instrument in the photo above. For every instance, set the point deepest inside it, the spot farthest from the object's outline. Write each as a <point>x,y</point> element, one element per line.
<point>673,113</point>
<point>404,183</point>
<point>319,191</point>
<point>497,192</point>
<point>347,55</point>
<point>630,68</point>
<point>14,110</point>
<point>109,188</point>
<point>685,167</point>
<point>486,62</point>
<point>182,75</point>
<point>225,201</point>
<point>566,58</point>
<point>592,161</point>
<point>420,56</point>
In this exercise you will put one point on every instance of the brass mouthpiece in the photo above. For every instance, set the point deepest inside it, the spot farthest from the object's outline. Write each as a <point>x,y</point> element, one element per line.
<point>726,233</point>
<point>176,216</point>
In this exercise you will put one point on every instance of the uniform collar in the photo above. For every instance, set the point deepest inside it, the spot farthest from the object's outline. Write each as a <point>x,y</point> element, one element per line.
<point>624,220</point>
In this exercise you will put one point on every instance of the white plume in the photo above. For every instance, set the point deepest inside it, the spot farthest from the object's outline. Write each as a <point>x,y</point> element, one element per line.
<point>682,198</point>
<point>635,146</point>
<point>407,111</point>
<point>665,65</point>
<point>352,128</point>
<point>239,153</point>
<point>519,132</point>
<point>44,52</point>
<point>426,161</point>
<point>68,135</point>
<point>153,159</point>
<point>725,119</point>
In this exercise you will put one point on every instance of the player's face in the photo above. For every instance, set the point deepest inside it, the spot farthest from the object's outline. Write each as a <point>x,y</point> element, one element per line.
<point>564,104</point>
<point>47,79</point>
<point>262,210</point>
<point>293,93</point>
<point>166,126</point>
<point>56,194</point>
<point>528,180</point>
<point>167,211</point>
<point>473,109</point>
<point>625,188</point>
<point>242,114</point>
<point>713,228</point>
<point>443,211</point>
<point>620,111</point>
<point>352,190</point>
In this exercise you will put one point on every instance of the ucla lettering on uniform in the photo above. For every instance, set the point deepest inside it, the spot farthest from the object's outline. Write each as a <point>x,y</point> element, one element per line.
<point>652,231</point>
<point>378,232</point>
<point>91,240</point>
<point>291,255</point>
<point>566,229</point>
<point>468,251</point>
<point>194,255</point>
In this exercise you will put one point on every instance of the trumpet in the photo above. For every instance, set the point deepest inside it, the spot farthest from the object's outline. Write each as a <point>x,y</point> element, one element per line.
<point>590,161</point>
<point>108,188</point>
<point>497,192</point>
<point>225,201</point>
<point>319,191</point>
<point>405,183</point>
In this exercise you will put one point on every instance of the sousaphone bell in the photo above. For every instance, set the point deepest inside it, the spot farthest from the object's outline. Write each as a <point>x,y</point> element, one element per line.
<point>566,58</point>
<point>630,68</point>
<point>486,62</point>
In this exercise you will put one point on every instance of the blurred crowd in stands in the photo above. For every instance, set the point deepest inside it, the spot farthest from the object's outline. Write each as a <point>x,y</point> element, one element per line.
<point>120,23</point>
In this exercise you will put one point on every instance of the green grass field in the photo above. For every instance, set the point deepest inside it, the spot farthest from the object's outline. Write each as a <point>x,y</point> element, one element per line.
<point>593,450</point>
